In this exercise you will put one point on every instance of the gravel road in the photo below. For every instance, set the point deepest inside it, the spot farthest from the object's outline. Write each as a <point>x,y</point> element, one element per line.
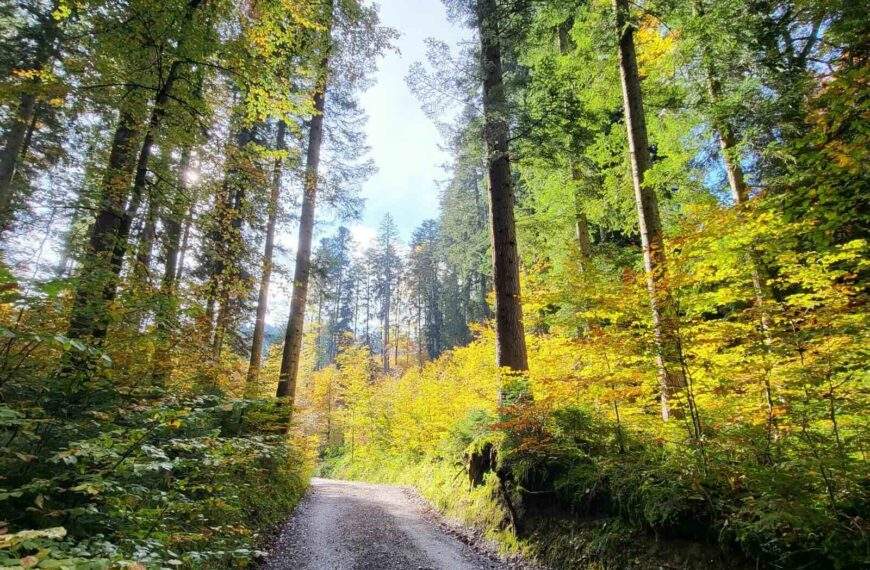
<point>344,525</point>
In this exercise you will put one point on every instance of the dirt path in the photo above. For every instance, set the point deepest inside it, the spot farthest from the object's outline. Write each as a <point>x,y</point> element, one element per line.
<point>355,526</point>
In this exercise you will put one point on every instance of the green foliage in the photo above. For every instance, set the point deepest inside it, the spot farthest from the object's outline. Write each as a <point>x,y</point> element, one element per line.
<point>163,481</point>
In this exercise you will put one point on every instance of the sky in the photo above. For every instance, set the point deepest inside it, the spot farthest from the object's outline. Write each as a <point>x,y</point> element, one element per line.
<point>404,142</point>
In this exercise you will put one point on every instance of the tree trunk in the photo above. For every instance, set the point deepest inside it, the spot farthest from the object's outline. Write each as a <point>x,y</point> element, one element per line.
<point>483,289</point>
<point>172,227</point>
<point>398,326</point>
<point>96,285</point>
<point>31,128</point>
<point>22,123</point>
<point>740,195</point>
<point>385,325</point>
<point>146,242</point>
<point>293,338</point>
<point>233,244</point>
<point>737,185</point>
<point>158,112</point>
<point>510,336</point>
<point>185,240</point>
<point>220,327</point>
<point>266,273</point>
<point>664,310</point>
<point>581,224</point>
<point>11,153</point>
<point>368,300</point>
<point>355,307</point>
<point>168,303</point>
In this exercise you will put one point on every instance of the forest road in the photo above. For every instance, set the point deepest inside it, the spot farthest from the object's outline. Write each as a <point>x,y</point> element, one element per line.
<point>346,525</point>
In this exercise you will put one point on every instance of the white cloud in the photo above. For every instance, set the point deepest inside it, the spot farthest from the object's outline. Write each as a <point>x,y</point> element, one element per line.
<point>363,235</point>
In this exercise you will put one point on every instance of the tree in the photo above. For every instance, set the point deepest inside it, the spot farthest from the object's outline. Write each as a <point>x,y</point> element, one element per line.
<point>120,202</point>
<point>36,74</point>
<point>386,268</point>
<point>664,311</point>
<point>266,271</point>
<point>166,314</point>
<point>342,69</point>
<point>293,339</point>
<point>332,262</point>
<point>511,346</point>
<point>426,283</point>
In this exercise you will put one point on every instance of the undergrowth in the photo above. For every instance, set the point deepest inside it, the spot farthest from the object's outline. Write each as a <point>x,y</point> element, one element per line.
<point>592,496</point>
<point>156,481</point>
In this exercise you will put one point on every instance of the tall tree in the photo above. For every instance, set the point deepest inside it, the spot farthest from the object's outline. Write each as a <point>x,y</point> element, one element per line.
<point>426,285</point>
<point>352,37</point>
<point>728,144</point>
<point>21,122</point>
<point>119,204</point>
<point>664,310</point>
<point>290,358</point>
<point>510,334</point>
<point>266,271</point>
<point>386,267</point>
<point>166,314</point>
<point>244,176</point>
<point>581,223</point>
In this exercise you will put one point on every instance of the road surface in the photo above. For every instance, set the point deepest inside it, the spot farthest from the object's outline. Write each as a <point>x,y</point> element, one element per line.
<point>344,525</point>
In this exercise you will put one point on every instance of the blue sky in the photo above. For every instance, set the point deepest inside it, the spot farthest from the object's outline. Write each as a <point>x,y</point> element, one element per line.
<point>405,144</point>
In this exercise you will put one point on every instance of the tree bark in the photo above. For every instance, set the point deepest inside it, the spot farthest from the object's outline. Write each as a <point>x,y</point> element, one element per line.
<point>167,307</point>
<point>96,286</point>
<point>293,338</point>
<point>510,336</point>
<point>581,225</point>
<point>664,311</point>
<point>266,273</point>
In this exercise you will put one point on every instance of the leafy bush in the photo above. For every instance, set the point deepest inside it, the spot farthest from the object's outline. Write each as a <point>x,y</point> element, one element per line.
<point>169,481</point>
<point>589,467</point>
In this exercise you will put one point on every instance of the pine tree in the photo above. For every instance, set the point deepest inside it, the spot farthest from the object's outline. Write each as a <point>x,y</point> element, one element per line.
<point>511,347</point>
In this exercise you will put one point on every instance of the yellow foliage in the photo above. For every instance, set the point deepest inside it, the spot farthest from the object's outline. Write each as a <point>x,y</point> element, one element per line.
<point>748,383</point>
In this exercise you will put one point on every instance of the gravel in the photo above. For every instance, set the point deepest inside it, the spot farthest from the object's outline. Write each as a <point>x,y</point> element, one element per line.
<point>355,526</point>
